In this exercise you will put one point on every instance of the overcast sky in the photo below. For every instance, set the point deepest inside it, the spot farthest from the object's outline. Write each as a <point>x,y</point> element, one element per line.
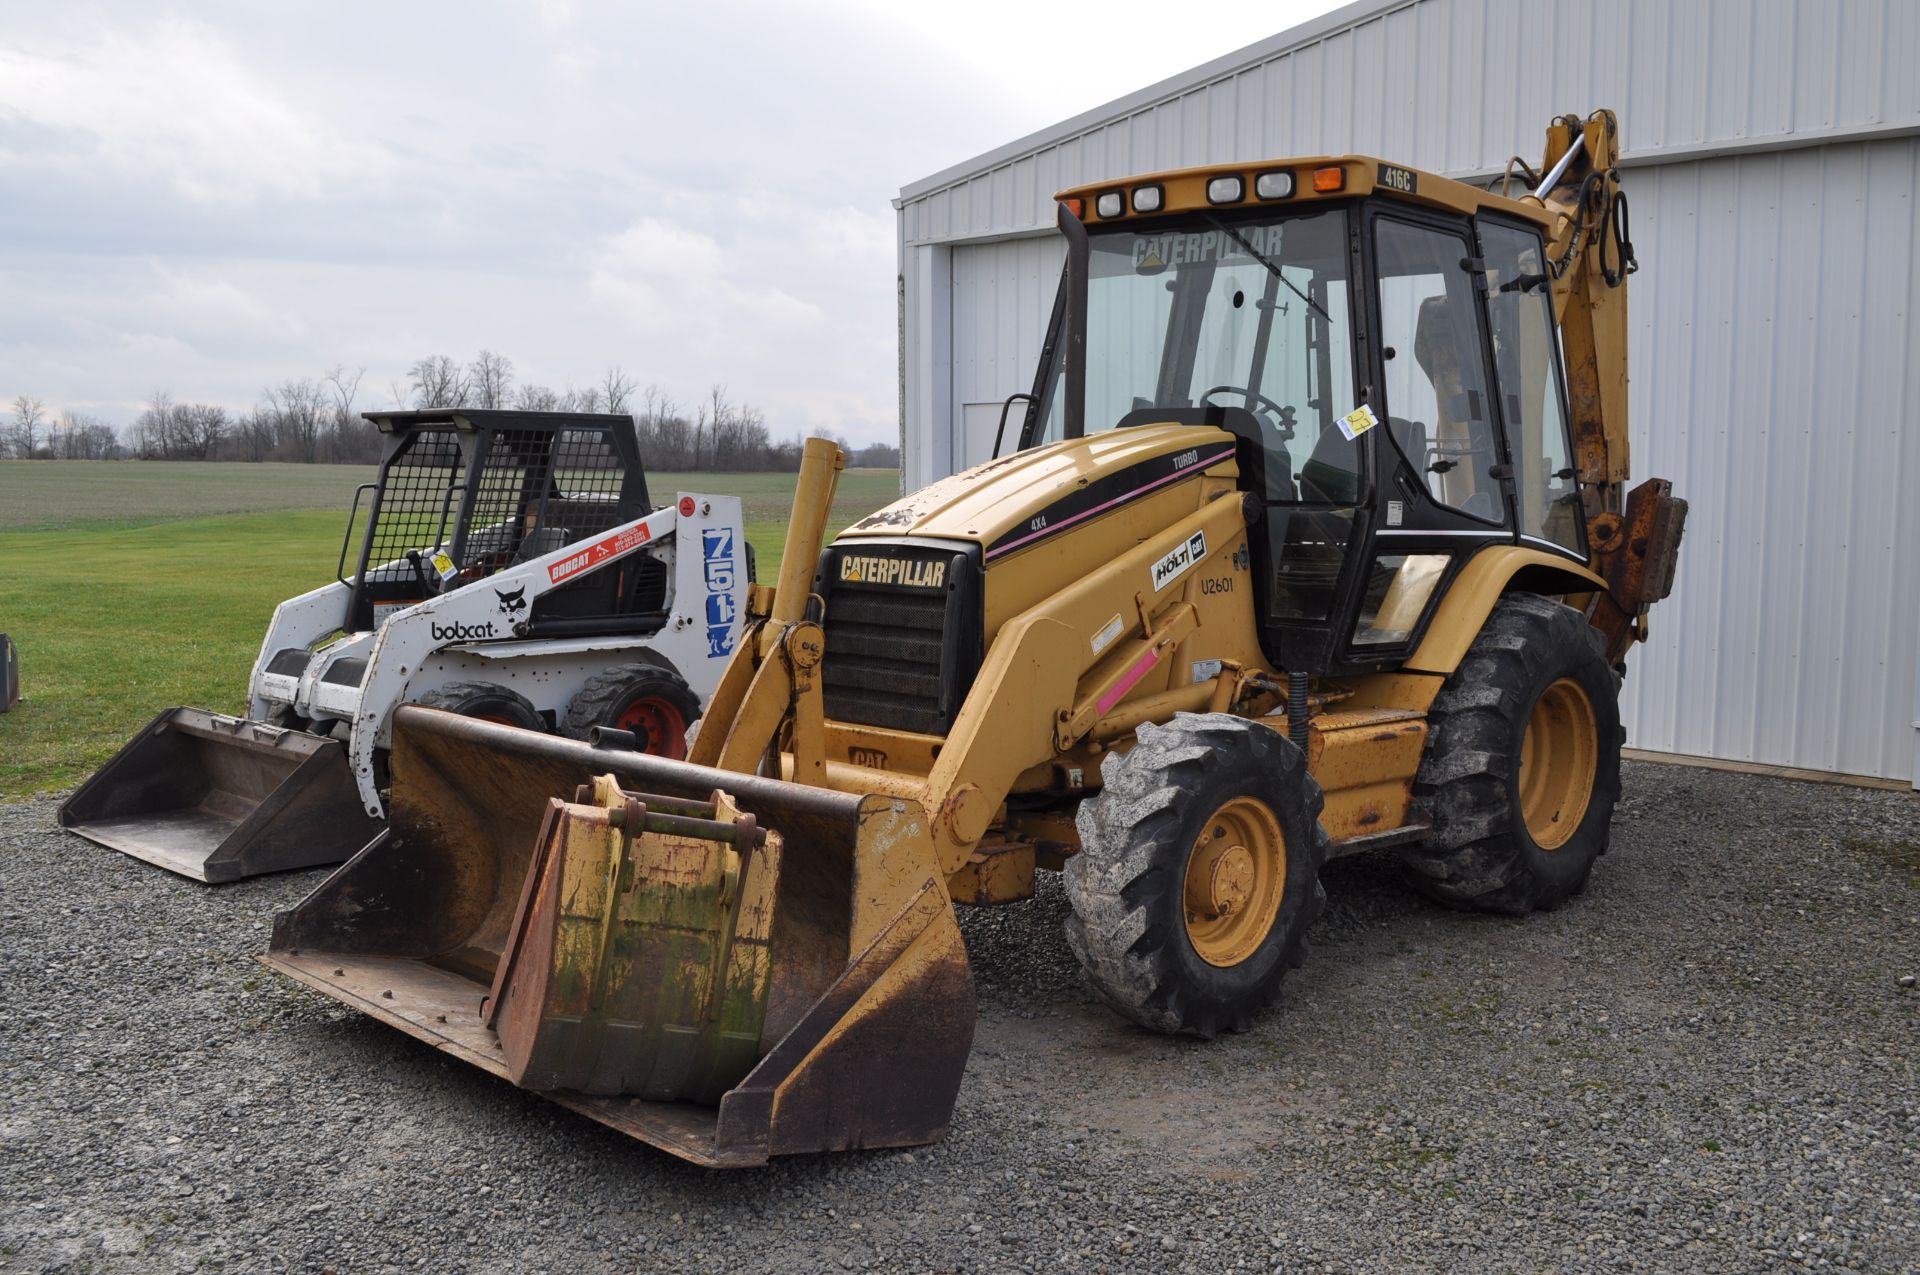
<point>210,198</point>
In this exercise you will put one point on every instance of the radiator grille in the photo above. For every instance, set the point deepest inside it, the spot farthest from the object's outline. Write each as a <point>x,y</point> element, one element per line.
<point>883,658</point>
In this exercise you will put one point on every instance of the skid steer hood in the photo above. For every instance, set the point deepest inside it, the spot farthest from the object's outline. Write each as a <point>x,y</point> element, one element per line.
<point>722,995</point>
<point>1007,503</point>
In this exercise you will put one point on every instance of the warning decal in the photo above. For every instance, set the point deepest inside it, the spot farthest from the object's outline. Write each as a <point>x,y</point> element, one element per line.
<point>599,551</point>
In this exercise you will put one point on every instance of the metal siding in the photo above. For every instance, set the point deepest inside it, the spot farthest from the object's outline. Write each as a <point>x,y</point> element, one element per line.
<point>1780,283</point>
<point>1772,348</point>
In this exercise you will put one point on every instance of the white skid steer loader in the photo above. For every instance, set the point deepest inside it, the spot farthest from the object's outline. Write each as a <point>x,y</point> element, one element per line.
<point>511,568</point>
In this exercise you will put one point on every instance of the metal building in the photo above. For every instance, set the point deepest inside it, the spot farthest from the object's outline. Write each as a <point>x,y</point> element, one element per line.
<point>1773,164</point>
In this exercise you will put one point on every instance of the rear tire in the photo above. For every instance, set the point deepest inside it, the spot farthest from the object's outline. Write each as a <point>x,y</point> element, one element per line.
<point>1523,764</point>
<point>1198,873</point>
<point>653,702</point>
<point>487,701</point>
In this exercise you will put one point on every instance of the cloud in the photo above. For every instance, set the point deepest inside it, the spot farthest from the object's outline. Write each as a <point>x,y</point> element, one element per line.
<point>172,102</point>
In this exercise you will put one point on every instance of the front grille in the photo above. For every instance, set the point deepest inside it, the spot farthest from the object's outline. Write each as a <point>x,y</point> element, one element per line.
<point>898,656</point>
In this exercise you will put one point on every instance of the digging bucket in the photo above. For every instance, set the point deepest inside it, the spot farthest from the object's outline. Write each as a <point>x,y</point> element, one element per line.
<point>220,798</point>
<point>725,966</point>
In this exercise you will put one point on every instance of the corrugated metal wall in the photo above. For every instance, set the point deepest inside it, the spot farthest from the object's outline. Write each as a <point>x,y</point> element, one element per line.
<point>1772,323</point>
<point>1772,357</point>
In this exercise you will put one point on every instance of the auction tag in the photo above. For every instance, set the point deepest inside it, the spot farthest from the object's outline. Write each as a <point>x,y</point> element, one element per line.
<point>1358,421</point>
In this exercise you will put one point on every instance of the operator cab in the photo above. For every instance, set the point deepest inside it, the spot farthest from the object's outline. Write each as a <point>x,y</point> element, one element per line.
<point>1380,341</point>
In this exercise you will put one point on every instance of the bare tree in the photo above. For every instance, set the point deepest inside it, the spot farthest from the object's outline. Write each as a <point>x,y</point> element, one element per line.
<point>28,413</point>
<point>257,433</point>
<point>200,427</point>
<point>491,376</point>
<point>346,434</point>
<point>616,388</point>
<point>536,398</point>
<point>439,382</point>
<point>298,409</point>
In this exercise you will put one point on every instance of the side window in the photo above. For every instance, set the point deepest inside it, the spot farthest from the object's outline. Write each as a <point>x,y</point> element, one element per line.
<point>1437,404</point>
<point>1520,316</point>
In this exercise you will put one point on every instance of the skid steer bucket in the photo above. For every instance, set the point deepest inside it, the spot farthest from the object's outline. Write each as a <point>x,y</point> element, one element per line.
<point>220,798</point>
<point>725,966</point>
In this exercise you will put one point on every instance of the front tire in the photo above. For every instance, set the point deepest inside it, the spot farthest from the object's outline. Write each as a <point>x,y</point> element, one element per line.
<point>1523,764</point>
<point>1198,873</point>
<point>487,701</point>
<point>652,702</point>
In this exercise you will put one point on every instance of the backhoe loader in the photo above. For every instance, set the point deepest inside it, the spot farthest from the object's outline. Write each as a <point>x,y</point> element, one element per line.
<point>1315,540</point>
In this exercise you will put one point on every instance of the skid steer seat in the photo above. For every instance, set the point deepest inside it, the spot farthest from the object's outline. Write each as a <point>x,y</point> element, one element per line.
<point>540,542</point>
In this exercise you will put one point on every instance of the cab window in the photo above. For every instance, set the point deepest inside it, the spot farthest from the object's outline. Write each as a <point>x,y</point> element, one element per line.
<point>1520,318</point>
<point>1438,409</point>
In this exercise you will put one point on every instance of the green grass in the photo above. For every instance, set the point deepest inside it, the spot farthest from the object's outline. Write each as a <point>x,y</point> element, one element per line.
<point>127,598</point>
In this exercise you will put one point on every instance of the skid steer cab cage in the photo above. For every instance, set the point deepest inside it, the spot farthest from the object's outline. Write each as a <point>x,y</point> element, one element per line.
<point>463,493</point>
<point>612,929</point>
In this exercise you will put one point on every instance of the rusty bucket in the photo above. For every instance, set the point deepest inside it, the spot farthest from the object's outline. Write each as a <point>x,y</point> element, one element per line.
<point>726,966</point>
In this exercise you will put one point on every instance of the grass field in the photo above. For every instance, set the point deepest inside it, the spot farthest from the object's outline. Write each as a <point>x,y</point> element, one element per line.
<point>135,587</point>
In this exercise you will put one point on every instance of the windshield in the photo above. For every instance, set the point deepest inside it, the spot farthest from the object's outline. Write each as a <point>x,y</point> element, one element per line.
<point>1248,313</point>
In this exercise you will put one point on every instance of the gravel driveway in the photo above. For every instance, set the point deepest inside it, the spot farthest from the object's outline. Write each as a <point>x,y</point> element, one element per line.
<point>1707,1063</point>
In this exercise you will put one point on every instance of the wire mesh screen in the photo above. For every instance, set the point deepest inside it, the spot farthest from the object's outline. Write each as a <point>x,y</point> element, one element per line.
<point>419,499</point>
<point>538,491</point>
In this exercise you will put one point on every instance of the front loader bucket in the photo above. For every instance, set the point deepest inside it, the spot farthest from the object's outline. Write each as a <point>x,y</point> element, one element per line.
<point>725,966</point>
<point>220,798</point>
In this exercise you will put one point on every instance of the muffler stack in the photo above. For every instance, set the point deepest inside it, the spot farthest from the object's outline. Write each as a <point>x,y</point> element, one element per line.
<point>219,798</point>
<point>726,966</point>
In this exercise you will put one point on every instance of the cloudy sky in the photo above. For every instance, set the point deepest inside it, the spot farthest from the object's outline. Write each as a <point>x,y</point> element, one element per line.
<point>209,198</point>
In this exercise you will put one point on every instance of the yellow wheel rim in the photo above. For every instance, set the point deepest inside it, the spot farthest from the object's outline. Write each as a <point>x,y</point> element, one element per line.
<point>1558,756</point>
<point>1236,877</point>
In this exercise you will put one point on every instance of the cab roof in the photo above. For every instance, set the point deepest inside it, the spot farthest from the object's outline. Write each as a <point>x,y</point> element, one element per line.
<point>1314,178</point>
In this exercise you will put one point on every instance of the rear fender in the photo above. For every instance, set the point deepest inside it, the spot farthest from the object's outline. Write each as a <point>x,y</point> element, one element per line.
<point>1493,572</point>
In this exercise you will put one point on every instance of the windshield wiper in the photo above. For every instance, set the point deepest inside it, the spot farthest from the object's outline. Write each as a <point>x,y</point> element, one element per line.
<point>1253,252</point>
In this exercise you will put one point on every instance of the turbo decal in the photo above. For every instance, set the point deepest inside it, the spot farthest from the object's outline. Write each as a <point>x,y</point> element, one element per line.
<point>1107,494</point>
<point>600,551</point>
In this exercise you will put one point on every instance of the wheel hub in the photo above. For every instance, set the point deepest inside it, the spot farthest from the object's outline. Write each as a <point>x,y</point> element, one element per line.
<point>1236,877</point>
<point>1559,755</point>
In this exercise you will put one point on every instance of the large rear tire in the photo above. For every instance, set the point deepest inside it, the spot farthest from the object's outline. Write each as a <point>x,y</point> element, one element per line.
<point>487,701</point>
<point>1198,874</point>
<point>653,702</point>
<point>1523,764</point>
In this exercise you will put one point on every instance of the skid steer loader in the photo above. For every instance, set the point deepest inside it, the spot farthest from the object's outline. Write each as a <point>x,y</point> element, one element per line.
<point>1310,545</point>
<point>511,567</point>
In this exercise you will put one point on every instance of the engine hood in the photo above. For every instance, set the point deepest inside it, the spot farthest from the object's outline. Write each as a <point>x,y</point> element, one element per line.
<point>1021,500</point>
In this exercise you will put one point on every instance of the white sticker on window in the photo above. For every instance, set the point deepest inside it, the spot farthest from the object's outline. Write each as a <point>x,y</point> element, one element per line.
<point>1108,632</point>
<point>1180,561</point>
<point>1357,422</point>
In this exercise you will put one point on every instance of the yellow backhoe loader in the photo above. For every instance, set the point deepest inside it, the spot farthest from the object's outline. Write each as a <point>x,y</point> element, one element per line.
<point>1315,540</point>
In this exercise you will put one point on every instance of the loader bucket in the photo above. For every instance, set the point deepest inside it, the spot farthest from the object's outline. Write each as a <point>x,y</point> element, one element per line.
<point>220,798</point>
<point>613,930</point>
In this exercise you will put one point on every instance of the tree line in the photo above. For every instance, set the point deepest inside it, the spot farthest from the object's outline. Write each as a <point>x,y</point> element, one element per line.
<point>317,420</point>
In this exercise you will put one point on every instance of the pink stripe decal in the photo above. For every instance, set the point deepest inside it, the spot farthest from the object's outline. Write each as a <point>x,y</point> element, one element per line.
<point>1084,514</point>
<point>1131,679</point>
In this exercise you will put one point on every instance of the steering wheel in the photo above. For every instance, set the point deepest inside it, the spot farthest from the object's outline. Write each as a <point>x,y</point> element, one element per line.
<point>1282,414</point>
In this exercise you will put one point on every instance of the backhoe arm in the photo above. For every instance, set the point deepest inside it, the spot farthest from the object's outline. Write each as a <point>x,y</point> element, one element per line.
<point>1635,536</point>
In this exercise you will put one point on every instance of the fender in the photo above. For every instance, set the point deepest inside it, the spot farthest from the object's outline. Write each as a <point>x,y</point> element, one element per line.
<point>1470,599</point>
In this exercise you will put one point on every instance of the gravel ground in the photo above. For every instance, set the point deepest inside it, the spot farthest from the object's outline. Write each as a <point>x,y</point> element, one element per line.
<point>1706,1063</point>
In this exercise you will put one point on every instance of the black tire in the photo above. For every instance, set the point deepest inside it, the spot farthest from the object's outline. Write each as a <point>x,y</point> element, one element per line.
<point>487,701</point>
<point>1480,854</point>
<point>658,697</point>
<point>1130,926</point>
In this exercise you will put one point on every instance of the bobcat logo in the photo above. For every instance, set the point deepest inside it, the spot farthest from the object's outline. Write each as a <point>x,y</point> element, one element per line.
<point>512,604</point>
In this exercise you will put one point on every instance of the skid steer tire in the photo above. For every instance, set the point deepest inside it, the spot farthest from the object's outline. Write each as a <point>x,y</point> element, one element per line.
<point>487,701</point>
<point>653,702</point>
<point>1200,785</point>
<point>1500,843</point>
